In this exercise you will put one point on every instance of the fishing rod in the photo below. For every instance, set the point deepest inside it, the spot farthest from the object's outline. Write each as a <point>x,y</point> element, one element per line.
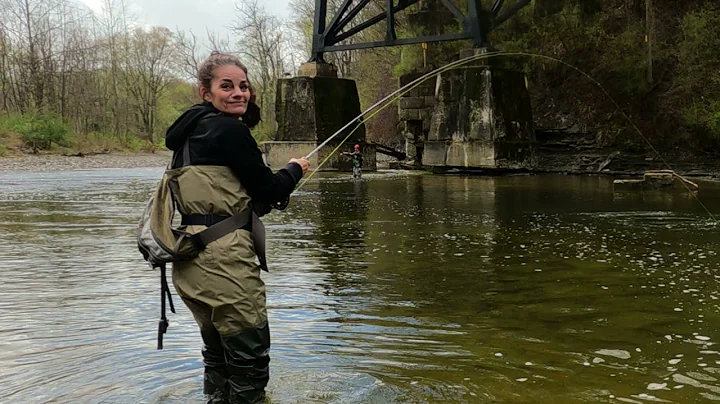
<point>397,94</point>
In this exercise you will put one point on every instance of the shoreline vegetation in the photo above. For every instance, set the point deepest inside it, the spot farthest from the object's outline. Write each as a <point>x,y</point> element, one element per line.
<point>99,82</point>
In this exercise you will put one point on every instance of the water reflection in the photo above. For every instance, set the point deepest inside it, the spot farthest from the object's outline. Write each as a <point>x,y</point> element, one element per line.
<point>398,287</point>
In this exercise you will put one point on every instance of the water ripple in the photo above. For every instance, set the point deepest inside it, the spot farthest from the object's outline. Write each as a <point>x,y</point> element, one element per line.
<point>401,287</point>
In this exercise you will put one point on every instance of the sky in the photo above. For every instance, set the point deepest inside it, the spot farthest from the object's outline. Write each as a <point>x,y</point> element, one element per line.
<point>195,15</point>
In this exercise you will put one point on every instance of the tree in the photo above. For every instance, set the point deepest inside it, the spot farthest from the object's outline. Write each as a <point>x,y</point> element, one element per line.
<point>188,54</point>
<point>148,70</point>
<point>59,59</point>
<point>4,70</point>
<point>261,45</point>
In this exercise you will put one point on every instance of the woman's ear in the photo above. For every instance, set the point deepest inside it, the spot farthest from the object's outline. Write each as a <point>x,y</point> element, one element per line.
<point>204,94</point>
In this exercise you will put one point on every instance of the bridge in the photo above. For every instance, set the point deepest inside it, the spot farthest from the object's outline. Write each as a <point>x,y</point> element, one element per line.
<point>474,117</point>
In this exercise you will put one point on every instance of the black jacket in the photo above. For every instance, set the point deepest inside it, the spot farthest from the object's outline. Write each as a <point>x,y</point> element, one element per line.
<point>217,139</point>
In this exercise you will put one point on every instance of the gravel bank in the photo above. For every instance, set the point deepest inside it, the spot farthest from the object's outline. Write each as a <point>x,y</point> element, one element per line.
<point>64,163</point>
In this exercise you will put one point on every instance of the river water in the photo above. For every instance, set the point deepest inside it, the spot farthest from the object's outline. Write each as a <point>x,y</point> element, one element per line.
<point>398,288</point>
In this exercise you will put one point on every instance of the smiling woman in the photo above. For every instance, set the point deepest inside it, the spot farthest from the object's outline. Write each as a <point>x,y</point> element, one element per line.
<point>217,176</point>
<point>224,84</point>
<point>231,91</point>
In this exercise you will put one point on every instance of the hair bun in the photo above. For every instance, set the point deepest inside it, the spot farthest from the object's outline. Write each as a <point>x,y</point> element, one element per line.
<point>251,118</point>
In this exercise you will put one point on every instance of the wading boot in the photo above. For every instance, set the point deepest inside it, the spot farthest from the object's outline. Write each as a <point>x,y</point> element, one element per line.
<point>246,397</point>
<point>215,385</point>
<point>248,361</point>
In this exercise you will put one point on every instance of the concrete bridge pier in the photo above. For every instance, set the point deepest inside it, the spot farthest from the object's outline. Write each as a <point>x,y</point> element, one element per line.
<point>482,118</point>
<point>309,109</point>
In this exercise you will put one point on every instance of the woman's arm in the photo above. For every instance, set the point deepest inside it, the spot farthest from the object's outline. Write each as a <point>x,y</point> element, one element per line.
<point>244,158</point>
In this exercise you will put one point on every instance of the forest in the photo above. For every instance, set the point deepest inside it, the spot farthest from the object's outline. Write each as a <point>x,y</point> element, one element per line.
<point>74,79</point>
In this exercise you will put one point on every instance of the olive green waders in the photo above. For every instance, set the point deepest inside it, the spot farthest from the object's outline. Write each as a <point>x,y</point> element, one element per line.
<point>222,285</point>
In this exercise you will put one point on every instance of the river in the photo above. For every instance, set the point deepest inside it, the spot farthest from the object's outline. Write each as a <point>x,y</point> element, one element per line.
<point>399,288</point>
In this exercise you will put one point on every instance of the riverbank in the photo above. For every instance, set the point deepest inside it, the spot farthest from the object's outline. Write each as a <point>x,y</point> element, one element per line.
<point>594,162</point>
<point>55,162</point>
<point>579,153</point>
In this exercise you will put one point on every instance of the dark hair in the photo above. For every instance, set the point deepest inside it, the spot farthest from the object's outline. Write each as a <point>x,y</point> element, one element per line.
<point>206,72</point>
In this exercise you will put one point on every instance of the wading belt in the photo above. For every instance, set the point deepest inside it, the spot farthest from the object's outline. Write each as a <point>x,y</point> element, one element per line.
<point>219,226</point>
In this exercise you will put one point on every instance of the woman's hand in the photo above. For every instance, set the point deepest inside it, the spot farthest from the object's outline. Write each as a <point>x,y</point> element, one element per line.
<point>304,163</point>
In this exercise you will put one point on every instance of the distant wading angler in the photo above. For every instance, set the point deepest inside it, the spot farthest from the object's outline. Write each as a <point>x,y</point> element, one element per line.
<point>357,161</point>
<point>219,173</point>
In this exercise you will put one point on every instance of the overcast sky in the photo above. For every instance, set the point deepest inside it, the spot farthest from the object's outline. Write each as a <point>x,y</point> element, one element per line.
<point>195,15</point>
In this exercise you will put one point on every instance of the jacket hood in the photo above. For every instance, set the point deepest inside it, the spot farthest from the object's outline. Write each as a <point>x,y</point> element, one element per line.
<point>185,124</point>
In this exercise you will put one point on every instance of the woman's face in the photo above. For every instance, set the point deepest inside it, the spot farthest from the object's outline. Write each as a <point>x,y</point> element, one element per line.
<point>229,90</point>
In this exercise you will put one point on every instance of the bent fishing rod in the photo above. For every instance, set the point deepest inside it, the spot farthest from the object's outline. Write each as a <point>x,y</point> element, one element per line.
<point>397,94</point>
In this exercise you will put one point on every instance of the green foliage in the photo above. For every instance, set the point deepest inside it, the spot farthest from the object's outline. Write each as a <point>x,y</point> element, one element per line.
<point>7,122</point>
<point>39,131</point>
<point>705,115</point>
<point>678,107</point>
<point>263,133</point>
<point>135,144</point>
<point>698,67</point>
<point>48,132</point>
<point>174,100</point>
<point>373,84</point>
<point>624,61</point>
<point>410,59</point>
<point>700,29</point>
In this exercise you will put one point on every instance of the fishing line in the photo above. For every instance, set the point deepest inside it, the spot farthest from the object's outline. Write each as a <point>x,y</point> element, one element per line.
<point>394,96</point>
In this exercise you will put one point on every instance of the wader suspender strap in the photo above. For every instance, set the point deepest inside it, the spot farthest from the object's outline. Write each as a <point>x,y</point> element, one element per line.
<point>221,228</point>
<point>164,292</point>
<point>258,238</point>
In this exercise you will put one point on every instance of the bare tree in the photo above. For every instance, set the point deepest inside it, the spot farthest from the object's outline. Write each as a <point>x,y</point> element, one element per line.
<point>302,26</point>
<point>188,54</point>
<point>102,76</point>
<point>148,71</point>
<point>4,70</point>
<point>217,43</point>
<point>115,22</point>
<point>261,45</point>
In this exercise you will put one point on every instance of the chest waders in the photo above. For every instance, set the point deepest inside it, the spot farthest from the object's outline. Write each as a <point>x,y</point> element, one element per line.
<point>160,243</point>
<point>221,285</point>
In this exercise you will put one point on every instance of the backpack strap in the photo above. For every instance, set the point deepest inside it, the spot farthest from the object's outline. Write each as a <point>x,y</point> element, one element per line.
<point>185,154</point>
<point>164,293</point>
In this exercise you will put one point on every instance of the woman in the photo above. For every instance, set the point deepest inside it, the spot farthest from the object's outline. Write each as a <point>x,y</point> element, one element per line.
<point>221,173</point>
